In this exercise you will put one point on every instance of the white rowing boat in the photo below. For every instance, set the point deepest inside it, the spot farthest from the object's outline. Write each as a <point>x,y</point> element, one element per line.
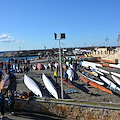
<point>5,82</point>
<point>114,65</point>
<point>104,71</point>
<point>98,82</point>
<point>116,74</point>
<point>30,83</point>
<point>117,80</point>
<point>50,87</point>
<point>86,63</point>
<point>111,84</point>
<point>96,70</point>
<point>91,79</point>
<point>34,67</point>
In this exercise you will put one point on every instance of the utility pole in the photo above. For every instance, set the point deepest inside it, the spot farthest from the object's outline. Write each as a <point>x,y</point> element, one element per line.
<point>107,41</point>
<point>45,48</point>
<point>118,39</point>
<point>62,36</point>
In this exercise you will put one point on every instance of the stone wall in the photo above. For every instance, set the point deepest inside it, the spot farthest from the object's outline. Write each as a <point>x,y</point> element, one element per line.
<point>69,110</point>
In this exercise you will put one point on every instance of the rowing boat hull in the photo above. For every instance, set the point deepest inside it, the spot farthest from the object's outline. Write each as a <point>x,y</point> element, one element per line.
<point>67,82</point>
<point>111,84</point>
<point>98,82</point>
<point>34,67</point>
<point>96,70</point>
<point>104,71</point>
<point>95,85</point>
<point>32,85</point>
<point>5,82</point>
<point>107,61</point>
<point>114,65</point>
<point>50,87</point>
<point>106,65</point>
<point>117,80</point>
<point>39,66</point>
<point>93,73</point>
<point>92,64</point>
<point>116,74</point>
<point>80,57</point>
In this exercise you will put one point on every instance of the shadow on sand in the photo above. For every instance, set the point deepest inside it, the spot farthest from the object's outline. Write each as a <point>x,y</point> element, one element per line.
<point>58,88</point>
<point>84,89</point>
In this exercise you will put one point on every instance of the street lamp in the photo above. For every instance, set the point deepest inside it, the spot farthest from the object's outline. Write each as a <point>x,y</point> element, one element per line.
<point>45,48</point>
<point>62,36</point>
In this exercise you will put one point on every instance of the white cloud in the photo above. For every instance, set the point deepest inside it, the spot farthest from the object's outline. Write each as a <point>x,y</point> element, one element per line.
<point>8,38</point>
<point>19,41</point>
<point>3,36</point>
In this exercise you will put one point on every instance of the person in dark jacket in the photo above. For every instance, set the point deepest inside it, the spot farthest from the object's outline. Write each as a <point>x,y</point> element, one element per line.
<point>2,103</point>
<point>66,75</point>
<point>10,102</point>
<point>1,73</point>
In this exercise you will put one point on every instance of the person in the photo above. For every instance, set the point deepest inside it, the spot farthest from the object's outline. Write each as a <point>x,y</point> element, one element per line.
<point>51,66</point>
<point>56,65</point>
<point>8,66</point>
<point>66,75</point>
<point>1,65</point>
<point>1,73</point>
<point>5,68</point>
<point>75,65</point>
<point>10,102</point>
<point>27,69</point>
<point>2,103</point>
<point>56,75</point>
<point>24,68</point>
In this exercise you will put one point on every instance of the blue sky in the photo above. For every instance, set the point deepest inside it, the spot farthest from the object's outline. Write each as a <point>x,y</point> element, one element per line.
<point>30,24</point>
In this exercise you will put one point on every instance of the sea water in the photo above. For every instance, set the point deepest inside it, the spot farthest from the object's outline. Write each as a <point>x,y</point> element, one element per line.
<point>5,59</point>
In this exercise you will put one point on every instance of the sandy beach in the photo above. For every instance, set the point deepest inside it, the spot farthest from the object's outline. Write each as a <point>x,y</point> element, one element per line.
<point>83,90</point>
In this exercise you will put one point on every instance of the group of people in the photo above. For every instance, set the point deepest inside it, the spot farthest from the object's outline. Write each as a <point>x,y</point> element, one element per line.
<point>10,95</point>
<point>5,69</point>
<point>17,68</point>
<point>19,61</point>
<point>72,64</point>
<point>56,76</point>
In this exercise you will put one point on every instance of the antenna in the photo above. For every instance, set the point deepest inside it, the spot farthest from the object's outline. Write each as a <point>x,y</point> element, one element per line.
<point>106,41</point>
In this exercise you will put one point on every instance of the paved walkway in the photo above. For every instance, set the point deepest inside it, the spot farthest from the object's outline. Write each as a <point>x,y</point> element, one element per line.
<point>30,116</point>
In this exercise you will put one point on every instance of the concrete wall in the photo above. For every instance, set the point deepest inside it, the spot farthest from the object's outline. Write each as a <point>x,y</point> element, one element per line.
<point>107,54</point>
<point>69,110</point>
